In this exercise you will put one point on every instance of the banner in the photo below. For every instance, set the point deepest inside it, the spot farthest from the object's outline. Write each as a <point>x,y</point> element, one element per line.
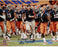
<point>24,2</point>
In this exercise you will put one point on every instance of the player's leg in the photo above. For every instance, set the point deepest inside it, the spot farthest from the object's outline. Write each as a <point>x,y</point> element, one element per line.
<point>2,27</point>
<point>8,26</point>
<point>19,24</point>
<point>52,28</point>
<point>25,32</point>
<point>39,31</point>
<point>17,27</point>
<point>22,31</point>
<point>38,34</point>
<point>53,32</point>
<point>24,28</point>
<point>42,32</point>
<point>21,27</point>
<point>45,24</point>
<point>36,31</point>
<point>57,29</point>
<point>28,29</point>
<point>45,33</point>
<point>13,27</point>
<point>49,29</point>
<point>25,36</point>
<point>33,28</point>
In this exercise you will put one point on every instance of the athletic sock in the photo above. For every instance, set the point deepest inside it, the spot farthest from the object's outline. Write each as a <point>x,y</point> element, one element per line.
<point>19,32</point>
<point>4,36</point>
<point>51,34</point>
<point>34,36</point>
<point>57,35</point>
<point>31,36</point>
<point>44,39</point>
<point>21,35</point>
<point>40,35</point>
<point>28,34</point>
<point>9,35</point>
<point>47,30</point>
<point>53,37</point>
<point>37,35</point>
<point>8,38</point>
<point>25,36</point>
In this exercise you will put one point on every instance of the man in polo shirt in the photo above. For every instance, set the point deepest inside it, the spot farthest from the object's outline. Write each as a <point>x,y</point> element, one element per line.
<point>30,21</point>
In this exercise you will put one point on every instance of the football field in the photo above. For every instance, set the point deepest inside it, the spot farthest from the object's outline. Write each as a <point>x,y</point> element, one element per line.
<point>15,42</point>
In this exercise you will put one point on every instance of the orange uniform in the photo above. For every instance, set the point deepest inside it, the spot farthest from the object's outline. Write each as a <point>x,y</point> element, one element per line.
<point>56,22</point>
<point>56,26</point>
<point>36,23</point>
<point>10,25</point>
<point>1,20</point>
<point>51,28</point>
<point>2,25</point>
<point>19,24</point>
<point>43,28</point>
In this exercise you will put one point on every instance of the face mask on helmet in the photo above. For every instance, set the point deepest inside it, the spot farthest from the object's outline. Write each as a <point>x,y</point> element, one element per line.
<point>35,7</point>
<point>14,6</point>
<point>31,6</point>
<point>9,8</point>
<point>24,7</point>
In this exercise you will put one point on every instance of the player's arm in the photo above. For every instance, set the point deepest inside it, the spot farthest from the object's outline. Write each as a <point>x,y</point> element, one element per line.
<point>3,15</point>
<point>23,16</point>
<point>33,16</point>
<point>15,16</point>
<point>48,17</point>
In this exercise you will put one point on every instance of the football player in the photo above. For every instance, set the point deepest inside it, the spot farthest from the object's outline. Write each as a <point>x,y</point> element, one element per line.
<point>23,29</point>
<point>45,18</point>
<point>2,18</point>
<point>37,21</point>
<point>10,21</point>
<point>56,22</point>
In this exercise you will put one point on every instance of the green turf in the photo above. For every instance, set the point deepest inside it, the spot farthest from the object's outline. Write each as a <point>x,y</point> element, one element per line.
<point>27,44</point>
